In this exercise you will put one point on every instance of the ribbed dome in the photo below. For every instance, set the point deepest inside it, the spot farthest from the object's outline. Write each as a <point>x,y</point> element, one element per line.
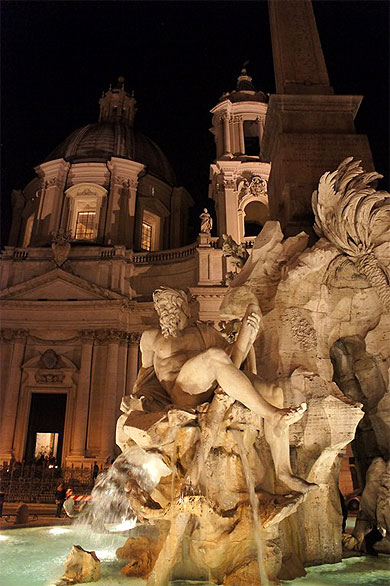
<point>100,141</point>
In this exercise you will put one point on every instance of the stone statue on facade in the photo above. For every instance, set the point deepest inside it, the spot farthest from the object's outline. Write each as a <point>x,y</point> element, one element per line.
<point>206,222</point>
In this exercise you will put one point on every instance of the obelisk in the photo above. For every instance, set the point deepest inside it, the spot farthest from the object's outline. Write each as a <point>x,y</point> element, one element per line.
<point>308,129</point>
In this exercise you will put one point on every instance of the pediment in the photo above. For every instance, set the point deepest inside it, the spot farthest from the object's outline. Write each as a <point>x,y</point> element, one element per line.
<point>58,285</point>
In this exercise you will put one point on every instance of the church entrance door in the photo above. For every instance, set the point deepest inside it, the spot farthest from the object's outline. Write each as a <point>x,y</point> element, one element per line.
<point>46,428</point>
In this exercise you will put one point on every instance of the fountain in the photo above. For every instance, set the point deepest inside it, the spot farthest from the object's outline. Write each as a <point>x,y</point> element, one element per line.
<point>231,478</point>
<point>205,466</point>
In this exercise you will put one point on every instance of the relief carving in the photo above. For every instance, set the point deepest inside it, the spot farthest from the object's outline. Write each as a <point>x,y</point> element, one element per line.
<point>302,331</point>
<point>50,359</point>
<point>61,246</point>
<point>49,378</point>
<point>255,186</point>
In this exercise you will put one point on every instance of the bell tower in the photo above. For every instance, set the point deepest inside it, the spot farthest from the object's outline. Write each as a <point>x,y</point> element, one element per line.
<point>239,175</point>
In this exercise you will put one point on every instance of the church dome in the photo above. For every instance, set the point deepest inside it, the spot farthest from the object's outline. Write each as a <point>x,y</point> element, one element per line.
<point>100,141</point>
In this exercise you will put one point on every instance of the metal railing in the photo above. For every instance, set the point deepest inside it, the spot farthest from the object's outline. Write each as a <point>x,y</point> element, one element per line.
<point>30,483</point>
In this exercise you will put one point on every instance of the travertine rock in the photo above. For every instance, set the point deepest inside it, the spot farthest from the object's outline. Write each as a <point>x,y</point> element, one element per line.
<point>374,506</point>
<point>141,554</point>
<point>80,567</point>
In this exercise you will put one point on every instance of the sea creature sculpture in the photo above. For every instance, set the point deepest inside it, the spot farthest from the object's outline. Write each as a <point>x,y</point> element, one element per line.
<point>353,216</point>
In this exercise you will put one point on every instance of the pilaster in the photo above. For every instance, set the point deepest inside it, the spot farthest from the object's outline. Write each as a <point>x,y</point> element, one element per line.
<point>122,201</point>
<point>51,198</point>
<point>12,392</point>
<point>80,422</point>
<point>108,416</point>
<point>132,361</point>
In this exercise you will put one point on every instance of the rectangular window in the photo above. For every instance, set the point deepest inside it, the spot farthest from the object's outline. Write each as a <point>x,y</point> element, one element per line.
<point>85,226</point>
<point>146,236</point>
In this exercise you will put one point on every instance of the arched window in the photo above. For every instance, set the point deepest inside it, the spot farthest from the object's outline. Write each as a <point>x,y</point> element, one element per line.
<point>256,214</point>
<point>85,201</point>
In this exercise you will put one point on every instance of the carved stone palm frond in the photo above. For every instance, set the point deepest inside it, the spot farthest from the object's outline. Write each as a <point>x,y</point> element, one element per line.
<point>355,218</point>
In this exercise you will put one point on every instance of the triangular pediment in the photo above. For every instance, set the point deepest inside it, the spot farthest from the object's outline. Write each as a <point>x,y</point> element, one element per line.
<point>58,285</point>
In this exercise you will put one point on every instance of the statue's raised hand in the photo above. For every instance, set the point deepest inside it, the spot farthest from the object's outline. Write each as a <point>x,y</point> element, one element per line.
<point>247,334</point>
<point>253,320</point>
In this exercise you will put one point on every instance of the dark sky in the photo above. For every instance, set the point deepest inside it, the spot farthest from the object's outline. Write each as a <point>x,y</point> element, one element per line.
<point>179,57</point>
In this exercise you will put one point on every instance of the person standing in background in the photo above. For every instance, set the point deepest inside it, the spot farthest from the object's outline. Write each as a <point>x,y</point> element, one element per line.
<point>60,498</point>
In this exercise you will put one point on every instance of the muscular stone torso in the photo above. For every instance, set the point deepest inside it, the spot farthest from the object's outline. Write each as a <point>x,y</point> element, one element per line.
<point>170,354</point>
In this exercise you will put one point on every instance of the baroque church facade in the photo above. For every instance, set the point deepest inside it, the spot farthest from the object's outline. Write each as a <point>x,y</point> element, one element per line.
<point>102,225</point>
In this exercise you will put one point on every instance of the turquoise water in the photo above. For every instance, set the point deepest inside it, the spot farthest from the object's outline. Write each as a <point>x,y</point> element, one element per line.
<point>35,557</point>
<point>367,571</point>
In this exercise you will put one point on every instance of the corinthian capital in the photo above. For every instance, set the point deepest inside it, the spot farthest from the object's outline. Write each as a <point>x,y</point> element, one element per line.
<point>87,335</point>
<point>134,338</point>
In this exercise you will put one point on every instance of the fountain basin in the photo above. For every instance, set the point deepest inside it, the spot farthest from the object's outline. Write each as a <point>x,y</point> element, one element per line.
<point>36,556</point>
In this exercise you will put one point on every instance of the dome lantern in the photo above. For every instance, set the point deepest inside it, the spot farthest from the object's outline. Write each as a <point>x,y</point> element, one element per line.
<point>117,105</point>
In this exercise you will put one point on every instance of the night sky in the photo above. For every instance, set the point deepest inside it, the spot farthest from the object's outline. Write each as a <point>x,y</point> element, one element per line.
<point>179,57</point>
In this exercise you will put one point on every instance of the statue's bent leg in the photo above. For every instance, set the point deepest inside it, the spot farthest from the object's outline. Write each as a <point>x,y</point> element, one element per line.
<point>278,438</point>
<point>200,372</point>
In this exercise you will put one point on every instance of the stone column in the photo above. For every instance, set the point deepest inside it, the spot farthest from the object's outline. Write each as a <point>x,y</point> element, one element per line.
<point>226,134</point>
<point>219,138</point>
<point>122,373</point>
<point>260,124</point>
<point>11,399</point>
<point>231,205</point>
<point>79,432</point>
<point>241,134</point>
<point>110,390</point>
<point>132,361</point>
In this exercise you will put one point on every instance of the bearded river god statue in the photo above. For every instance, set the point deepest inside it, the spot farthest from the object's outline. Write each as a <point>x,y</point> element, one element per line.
<point>205,418</point>
<point>207,442</point>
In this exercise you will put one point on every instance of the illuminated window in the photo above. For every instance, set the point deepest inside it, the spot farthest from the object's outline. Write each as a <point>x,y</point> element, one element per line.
<point>146,236</point>
<point>85,226</point>
<point>85,205</point>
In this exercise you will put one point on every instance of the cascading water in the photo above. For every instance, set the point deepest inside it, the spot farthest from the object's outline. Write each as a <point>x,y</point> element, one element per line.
<point>258,529</point>
<point>110,508</point>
